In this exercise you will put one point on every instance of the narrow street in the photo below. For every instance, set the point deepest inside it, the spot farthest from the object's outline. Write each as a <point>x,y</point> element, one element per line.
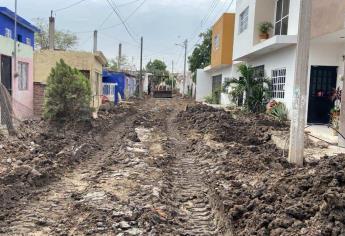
<point>168,167</point>
<point>144,181</point>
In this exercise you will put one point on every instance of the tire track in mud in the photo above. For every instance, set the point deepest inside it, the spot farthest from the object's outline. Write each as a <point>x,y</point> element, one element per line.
<point>52,212</point>
<point>197,211</point>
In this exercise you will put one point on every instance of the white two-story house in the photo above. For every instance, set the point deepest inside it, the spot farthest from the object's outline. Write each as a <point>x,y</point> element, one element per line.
<point>275,57</point>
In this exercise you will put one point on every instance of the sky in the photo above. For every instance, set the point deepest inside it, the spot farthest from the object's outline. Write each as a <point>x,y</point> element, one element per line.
<point>162,24</point>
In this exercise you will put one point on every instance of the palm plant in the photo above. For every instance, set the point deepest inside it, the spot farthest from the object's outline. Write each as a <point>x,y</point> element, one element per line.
<point>256,89</point>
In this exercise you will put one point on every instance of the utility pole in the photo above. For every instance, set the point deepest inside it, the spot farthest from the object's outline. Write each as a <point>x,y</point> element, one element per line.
<point>51,31</point>
<point>299,110</point>
<point>95,34</point>
<point>341,140</point>
<point>185,67</point>
<point>172,73</point>
<point>15,40</point>
<point>120,57</point>
<point>141,69</point>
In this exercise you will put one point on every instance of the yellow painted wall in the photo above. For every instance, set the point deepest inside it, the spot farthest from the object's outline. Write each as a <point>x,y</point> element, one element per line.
<point>45,60</point>
<point>223,29</point>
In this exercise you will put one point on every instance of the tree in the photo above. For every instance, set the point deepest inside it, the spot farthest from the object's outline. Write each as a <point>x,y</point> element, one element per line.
<point>201,56</point>
<point>159,70</point>
<point>157,67</point>
<point>63,39</point>
<point>114,63</point>
<point>255,88</point>
<point>68,94</point>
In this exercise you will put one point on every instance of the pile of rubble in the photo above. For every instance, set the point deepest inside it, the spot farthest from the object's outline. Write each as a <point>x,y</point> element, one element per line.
<point>43,151</point>
<point>220,124</point>
<point>261,193</point>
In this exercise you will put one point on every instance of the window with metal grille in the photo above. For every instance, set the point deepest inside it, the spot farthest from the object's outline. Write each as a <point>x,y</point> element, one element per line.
<point>8,33</point>
<point>23,74</point>
<point>244,20</point>
<point>282,17</point>
<point>278,83</point>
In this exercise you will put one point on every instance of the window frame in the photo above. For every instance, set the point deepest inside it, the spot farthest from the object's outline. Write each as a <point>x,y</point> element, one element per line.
<point>23,85</point>
<point>8,33</point>
<point>278,83</point>
<point>28,41</point>
<point>243,25</point>
<point>276,22</point>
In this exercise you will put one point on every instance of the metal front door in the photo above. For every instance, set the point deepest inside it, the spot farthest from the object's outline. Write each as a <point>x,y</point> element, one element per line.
<point>6,72</point>
<point>323,81</point>
<point>6,80</point>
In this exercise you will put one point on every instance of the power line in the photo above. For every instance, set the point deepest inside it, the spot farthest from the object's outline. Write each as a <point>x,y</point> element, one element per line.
<point>69,6</point>
<point>123,22</point>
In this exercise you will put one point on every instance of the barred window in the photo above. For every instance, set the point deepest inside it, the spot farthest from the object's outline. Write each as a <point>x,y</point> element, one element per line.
<point>244,20</point>
<point>23,72</point>
<point>278,83</point>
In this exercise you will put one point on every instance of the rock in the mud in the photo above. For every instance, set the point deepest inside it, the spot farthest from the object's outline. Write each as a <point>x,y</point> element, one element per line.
<point>133,231</point>
<point>124,225</point>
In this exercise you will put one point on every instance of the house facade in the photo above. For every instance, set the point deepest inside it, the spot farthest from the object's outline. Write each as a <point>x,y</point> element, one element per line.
<point>19,82</point>
<point>275,57</point>
<point>89,64</point>
<point>209,80</point>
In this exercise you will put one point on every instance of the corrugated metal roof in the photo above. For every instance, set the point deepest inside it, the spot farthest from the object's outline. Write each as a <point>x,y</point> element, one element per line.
<point>7,12</point>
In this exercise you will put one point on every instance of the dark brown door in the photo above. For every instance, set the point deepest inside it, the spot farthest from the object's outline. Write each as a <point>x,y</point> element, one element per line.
<point>6,72</point>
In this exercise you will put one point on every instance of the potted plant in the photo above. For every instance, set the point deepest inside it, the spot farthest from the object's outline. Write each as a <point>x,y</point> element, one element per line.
<point>335,120</point>
<point>264,29</point>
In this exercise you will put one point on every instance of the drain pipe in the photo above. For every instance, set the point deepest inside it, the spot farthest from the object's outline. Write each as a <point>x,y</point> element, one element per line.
<point>341,139</point>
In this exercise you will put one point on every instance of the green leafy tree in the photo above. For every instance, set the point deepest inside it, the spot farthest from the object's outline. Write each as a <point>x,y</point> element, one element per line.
<point>63,39</point>
<point>68,94</point>
<point>256,88</point>
<point>159,70</point>
<point>157,67</point>
<point>201,56</point>
<point>114,63</point>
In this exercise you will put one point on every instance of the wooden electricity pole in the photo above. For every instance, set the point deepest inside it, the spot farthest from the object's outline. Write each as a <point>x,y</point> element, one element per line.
<point>185,67</point>
<point>299,105</point>
<point>120,57</point>
<point>141,87</point>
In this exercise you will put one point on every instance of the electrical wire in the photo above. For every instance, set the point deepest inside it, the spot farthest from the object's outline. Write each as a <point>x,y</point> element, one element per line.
<point>69,6</point>
<point>121,19</point>
<point>199,38</point>
<point>127,18</point>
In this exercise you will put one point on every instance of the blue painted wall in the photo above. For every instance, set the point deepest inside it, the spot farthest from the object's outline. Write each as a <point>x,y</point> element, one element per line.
<point>116,78</point>
<point>24,28</point>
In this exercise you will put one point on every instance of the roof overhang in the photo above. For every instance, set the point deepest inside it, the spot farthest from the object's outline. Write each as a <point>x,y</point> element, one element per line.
<point>101,58</point>
<point>268,46</point>
<point>211,69</point>
<point>21,21</point>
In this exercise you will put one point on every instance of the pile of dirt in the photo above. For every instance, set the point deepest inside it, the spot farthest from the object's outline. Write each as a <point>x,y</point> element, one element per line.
<point>260,192</point>
<point>222,126</point>
<point>42,151</point>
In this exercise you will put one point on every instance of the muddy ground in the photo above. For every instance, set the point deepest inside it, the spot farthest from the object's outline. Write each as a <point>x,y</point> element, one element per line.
<point>165,167</point>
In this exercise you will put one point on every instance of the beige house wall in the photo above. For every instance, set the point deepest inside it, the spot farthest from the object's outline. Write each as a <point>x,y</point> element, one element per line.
<point>328,16</point>
<point>45,60</point>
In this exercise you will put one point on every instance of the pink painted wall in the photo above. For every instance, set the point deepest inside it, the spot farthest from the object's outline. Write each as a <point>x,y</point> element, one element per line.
<point>23,99</point>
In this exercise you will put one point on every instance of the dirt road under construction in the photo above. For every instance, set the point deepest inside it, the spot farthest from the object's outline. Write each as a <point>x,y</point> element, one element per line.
<point>165,167</point>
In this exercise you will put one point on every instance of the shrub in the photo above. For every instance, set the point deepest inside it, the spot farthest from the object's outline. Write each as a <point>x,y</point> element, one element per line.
<point>68,94</point>
<point>255,88</point>
<point>279,111</point>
